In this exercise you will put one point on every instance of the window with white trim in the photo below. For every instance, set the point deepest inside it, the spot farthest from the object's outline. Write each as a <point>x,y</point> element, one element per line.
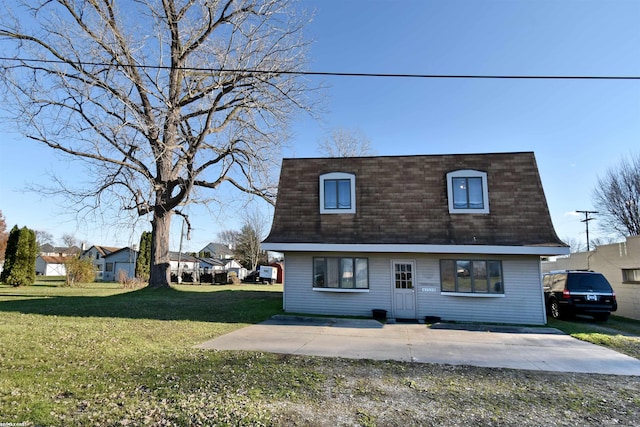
<point>337,193</point>
<point>467,191</point>
<point>340,272</point>
<point>471,276</point>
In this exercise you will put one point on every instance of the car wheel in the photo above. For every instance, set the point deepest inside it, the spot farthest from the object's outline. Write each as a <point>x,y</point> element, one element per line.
<point>602,317</point>
<point>554,309</point>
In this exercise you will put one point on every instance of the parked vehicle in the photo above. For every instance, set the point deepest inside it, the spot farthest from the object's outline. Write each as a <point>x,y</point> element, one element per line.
<point>571,292</point>
<point>252,277</point>
<point>268,274</point>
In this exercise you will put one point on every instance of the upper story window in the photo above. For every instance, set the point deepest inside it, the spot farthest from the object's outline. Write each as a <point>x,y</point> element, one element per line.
<point>337,193</point>
<point>467,191</point>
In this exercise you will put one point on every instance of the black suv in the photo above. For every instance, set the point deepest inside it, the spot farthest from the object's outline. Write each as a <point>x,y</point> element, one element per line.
<point>578,292</point>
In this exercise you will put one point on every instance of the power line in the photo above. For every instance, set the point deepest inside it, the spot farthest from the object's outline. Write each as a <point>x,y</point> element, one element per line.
<point>332,73</point>
<point>586,223</point>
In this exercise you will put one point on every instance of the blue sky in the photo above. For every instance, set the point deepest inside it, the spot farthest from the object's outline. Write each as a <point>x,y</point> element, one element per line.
<point>577,128</point>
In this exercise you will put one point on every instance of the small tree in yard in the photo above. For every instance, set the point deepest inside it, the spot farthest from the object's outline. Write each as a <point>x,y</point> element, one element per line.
<point>143,262</point>
<point>20,260</point>
<point>79,270</point>
<point>248,241</point>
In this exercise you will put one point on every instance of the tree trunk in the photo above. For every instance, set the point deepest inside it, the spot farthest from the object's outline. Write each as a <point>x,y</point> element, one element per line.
<point>160,274</point>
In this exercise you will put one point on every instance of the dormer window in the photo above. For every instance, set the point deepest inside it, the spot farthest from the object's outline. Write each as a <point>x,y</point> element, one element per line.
<point>468,192</point>
<point>337,193</point>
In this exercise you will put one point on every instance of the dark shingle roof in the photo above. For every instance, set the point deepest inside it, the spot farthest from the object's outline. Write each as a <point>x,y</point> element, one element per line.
<point>403,200</point>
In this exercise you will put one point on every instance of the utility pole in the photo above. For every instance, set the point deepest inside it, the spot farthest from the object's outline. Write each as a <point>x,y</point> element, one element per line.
<point>586,223</point>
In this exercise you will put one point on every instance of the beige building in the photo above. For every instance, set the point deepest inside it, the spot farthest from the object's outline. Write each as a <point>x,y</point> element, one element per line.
<point>619,262</point>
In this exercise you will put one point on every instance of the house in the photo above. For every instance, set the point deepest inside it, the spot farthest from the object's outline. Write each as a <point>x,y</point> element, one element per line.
<point>211,265</point>
<point>620,264</point>
<point>182,265</point>
<point>454,236</point>
<point>112,262</point>
<point>217,250</point>
<point>50,261</point>
<point>49,250</point>
<point>47,265</point>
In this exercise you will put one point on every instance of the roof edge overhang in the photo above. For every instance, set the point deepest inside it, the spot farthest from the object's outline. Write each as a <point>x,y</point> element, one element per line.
<point>540,250</point>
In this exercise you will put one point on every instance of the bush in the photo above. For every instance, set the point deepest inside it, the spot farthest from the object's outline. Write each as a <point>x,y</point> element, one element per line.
<point>233,278</point>
<point>79,270</point>
<point>133,283</point>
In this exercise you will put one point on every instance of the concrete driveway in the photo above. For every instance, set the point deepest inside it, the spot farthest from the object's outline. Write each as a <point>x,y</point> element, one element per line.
<point>515,348</point>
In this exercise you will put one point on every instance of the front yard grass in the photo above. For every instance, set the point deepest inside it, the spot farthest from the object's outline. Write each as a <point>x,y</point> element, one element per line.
<point>99,355</point>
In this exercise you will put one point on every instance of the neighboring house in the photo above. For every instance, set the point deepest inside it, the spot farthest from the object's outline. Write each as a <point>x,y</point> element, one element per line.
<point>184,263</point>
<point>50,265</point>
<point>211,265</point>
<point>111,261</point>
<point>49,250</point>
<point>235,267</point>
<point>454,236</point>
<point>620,264</point>
<point>217,250</point>
<point>216,265</point>
<point>50,261</point>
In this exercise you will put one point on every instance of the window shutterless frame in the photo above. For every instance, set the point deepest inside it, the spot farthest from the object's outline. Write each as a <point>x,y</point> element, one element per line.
<point>340,273</point>
<point>337,193</point>
<point>477,277</point>
<point>467,191</point>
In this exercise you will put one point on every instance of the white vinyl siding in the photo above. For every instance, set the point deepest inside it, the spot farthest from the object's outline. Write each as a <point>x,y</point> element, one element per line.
<point>300,297</point>
<point>521,303</point>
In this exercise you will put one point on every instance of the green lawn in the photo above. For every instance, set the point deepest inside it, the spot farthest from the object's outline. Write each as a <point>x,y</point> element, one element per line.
<point>99,356</point>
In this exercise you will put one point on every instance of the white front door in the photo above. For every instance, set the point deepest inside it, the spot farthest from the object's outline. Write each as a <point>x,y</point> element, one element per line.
<point>404,298</point>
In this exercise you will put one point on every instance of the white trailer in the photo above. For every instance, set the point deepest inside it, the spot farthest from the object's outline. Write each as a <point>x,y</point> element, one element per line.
<point>268,274</point>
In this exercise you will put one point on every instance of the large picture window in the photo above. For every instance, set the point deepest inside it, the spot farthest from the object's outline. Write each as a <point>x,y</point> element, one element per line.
<point>471,276</point>
<point>468,192</point>
<point>341,273</point>
<point>337,193</point>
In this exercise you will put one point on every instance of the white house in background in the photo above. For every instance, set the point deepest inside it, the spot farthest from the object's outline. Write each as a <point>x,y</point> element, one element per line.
<point>50,261</point>
<point>217,250</point>
<point>111,262</point>
<point>455,236</point>
<point>234,266</point>
<point>211,265</point>
<point>181,263</point>
<point>47,265</point>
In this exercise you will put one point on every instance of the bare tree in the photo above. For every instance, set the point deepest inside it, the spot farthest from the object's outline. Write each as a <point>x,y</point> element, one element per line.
<point>229,238</point>
<point>574,244</point>
<point>69,240</point>
<point>253,231</point>
<point>165,101</point>
<point>345,143</point>
<point>617,198</point>
<point>43,237</point>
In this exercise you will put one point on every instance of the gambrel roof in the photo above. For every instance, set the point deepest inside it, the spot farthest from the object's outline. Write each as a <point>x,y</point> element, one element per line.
<point>403,200</point>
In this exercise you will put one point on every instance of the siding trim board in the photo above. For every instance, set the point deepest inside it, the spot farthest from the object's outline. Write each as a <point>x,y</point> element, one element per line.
<point>404,249</point>
<point>521,303</point>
